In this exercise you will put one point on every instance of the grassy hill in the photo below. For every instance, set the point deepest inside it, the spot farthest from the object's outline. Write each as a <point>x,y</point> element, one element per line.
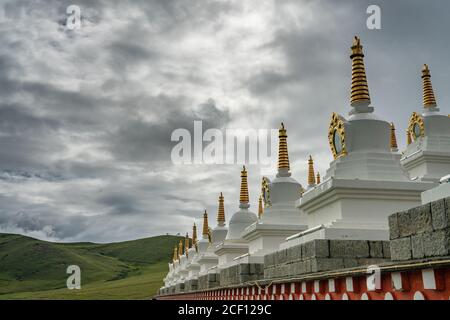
<point>35,269</point>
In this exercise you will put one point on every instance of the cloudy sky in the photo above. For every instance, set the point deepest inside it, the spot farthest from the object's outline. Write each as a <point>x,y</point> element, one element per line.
<point>86,115</point>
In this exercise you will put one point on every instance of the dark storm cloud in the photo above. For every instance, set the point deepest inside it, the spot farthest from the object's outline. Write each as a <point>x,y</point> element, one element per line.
<point>119,203</point>
<point>16,120</point>
<point>7,65</point>
<point>78,110</point>
<point>20,139</point>
<point>125,55</point>
<point>172,197</point>
<point>140,140</point>
<point>86,116</point>
<point>39,220</point>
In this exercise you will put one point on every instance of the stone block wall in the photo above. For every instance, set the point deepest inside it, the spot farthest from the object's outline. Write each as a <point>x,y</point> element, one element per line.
<point>241,273</point>
<point>191,285</point>
<point>179,287</point>
<point>208,281</point>
<point>324,255</point>
<point>421,232</point>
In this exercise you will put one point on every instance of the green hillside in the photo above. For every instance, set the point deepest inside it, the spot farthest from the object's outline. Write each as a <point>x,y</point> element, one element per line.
<point>35,269</point>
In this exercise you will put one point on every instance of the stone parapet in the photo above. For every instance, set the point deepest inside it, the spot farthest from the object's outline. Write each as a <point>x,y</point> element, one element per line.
<point>324,255</point>
<point>241,273</point>
<point>179,287</point>
<point>421,232</point>
<point>191,285</point>
<point>208,281</point>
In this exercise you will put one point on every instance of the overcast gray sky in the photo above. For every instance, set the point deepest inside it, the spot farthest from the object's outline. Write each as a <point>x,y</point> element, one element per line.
<point>86,115</point>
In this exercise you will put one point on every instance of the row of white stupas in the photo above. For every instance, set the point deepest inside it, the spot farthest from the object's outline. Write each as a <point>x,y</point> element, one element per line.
<point>366,182</point>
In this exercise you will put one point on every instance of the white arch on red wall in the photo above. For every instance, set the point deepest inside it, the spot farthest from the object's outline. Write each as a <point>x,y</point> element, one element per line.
<point>418,296</point>
<point>345,297</point>
<point>388,296</point>
<point>365,296</point>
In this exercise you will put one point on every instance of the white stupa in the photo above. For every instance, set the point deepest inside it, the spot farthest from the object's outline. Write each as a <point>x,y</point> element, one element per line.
<point>183,260</point>
<point>281,218</point>
<point>169,278</point>
<point>234,245</point>
<point>178,276</point>
<point>209,260</point>
<point>201,246</point>
<point>427,156</point>
<point>365,182</point>
<point>191,269</point>
<point>219,233</point>
<point>181,268</point>
<point>192,251</point>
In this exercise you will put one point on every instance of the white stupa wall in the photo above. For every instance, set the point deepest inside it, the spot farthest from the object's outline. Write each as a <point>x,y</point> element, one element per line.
<point>238,222</point>
<point>228,251</point>
<point>209,259</point>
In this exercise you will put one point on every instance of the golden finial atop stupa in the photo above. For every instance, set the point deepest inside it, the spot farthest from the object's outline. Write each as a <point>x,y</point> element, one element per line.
<point>186,244</point>
<point>194,235</point>
<point>408,138</point>
<point>205,224</point>
<point>175,254</point>
<point>311,178</point>
<point>260,207</point>
<point>359,89</point>
<point>318,178</point>
<point>221,211</point>
<point>283,156</point>
<point>429,101</point>
<point>180,249</point>
<point>243,198</point>
<point>394,146</point>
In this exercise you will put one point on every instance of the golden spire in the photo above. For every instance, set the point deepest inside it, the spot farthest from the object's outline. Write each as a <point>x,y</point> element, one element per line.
<point>408,137</point>
<point>180,249</point>
<point>194,235</point>
<point>360,89</point>
<point>260,208</point>
<point>283,156</point>
<point>186,244</point>
<point>205,224</point>
<point>394,146</point>
<point>244,186</point>
<point>311,178</point>
<point>318,178</point>
<point>175,254</point>
<point>221,212</point>
<point>429,101</point>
